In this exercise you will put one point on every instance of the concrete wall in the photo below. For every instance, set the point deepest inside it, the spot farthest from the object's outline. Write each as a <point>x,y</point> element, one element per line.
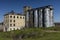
<point>10,24</point>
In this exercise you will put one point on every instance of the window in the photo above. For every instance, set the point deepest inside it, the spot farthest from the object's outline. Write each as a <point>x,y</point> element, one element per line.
<point>10,20</point>
<point>20,17</point>
<point>14,16</point>
<point>14,20</point>
<point>17,16</point>
<point>23,17</point>
<point>10,16</point>
<point>10,24</point>
<point>13,24</point>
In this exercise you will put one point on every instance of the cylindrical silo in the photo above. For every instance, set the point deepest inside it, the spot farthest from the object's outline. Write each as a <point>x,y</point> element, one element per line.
<point>35,18</point>
<point>25,9</point>
<point>46,17</point>
<point>27,19</point>
<point>40,17</point>
<point>51,18</point>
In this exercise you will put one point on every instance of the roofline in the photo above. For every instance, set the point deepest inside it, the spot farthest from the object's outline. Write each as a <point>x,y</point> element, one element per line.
<point>43,7</point>
<point>14,14</point>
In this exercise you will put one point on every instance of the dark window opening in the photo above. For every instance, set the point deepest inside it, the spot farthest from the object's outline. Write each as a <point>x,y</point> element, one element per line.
<point>17,16</point>
<point>13,24</point>
<point>23,17</point>
<point>10,24</point>
<point>14,16</point>
<point>20,17</point>
<point>14,20</point>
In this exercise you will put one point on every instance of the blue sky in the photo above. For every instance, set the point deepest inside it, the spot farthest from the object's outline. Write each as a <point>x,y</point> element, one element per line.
<point>17,6</point>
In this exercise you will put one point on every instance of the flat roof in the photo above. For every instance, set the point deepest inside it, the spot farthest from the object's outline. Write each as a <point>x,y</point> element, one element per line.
<point>43,7</point>
<point>13,13</point>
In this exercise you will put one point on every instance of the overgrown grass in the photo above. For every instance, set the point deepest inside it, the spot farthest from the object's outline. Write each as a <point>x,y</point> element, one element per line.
<point>31,34</point>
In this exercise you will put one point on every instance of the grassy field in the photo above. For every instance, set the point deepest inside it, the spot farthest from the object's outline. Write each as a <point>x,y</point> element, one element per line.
<point>31,34</point>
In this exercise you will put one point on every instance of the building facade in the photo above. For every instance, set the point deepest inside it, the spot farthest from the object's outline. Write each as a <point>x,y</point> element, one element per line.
<point>13,21</point>
<point>40,17</point>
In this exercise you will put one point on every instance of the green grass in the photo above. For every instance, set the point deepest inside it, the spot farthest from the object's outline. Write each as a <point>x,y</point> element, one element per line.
<point>47,36</point>
<point>31,34</point>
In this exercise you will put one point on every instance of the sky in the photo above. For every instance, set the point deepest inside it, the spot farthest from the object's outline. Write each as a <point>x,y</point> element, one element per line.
<point>17,6</point>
